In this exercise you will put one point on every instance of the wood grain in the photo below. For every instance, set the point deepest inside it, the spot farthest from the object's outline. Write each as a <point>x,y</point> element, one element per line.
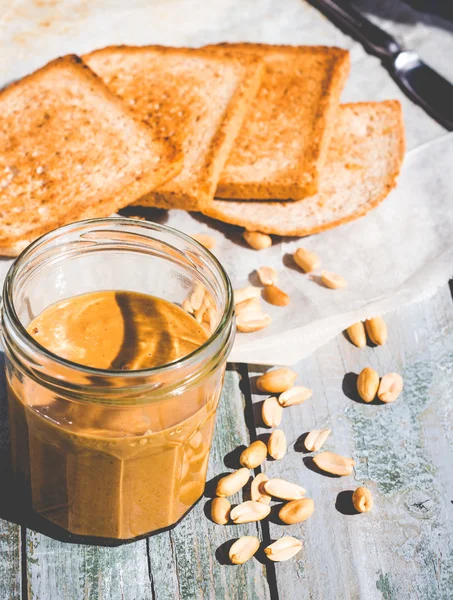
<point>403,549</point>
<point>10,561</point>
<point>59,570</point>
<point>10,532</point>
<point>186,562</point>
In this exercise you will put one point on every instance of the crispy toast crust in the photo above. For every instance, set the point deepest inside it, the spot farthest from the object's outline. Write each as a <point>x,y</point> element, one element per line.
<point>290,219</point>
<point>195,186</point>
<point>328,69</point>
<point>29,207</point>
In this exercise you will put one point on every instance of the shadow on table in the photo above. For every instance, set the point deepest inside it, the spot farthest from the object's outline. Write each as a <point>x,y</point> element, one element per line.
<point>344,503</point>
<point>147,213</point>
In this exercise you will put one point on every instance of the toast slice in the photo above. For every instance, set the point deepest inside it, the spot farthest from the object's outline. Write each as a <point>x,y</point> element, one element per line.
<point>195,99</point>
<point>69,150</point>
<point>281,148</point>
<point>363,162</point>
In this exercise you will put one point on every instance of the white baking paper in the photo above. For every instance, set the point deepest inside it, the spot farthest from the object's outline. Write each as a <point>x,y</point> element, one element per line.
<point>398,254</point>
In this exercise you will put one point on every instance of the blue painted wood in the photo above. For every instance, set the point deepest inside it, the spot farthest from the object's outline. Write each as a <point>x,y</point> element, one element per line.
<point>403,548</point>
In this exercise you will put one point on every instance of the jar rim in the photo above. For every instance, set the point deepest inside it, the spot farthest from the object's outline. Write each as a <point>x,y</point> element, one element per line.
<point>29,343</point>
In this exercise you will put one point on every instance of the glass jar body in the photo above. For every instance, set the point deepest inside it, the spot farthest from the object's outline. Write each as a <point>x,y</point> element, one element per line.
<point>113,454</point>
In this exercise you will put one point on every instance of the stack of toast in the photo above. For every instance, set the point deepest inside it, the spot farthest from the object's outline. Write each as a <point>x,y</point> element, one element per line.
<point>249,134</point>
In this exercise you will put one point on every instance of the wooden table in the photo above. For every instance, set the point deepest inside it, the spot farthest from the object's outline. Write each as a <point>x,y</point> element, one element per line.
<point>403,549</point>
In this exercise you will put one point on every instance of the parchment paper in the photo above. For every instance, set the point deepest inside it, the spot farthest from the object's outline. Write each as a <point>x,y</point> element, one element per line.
<point>398,254</point>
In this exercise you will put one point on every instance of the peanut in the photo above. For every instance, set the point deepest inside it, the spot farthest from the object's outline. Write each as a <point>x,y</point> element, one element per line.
<point>276,446</point>
<point>199,314</point>
<point>206,312</point>
<point>376,330</point>
<point>295,395</point>
<point>334,463</point>
<point>315,439</point>
<point>390,387</point>
<point>249,511</point>
<point>279,488</point>
<point>254,455</point>
<point>362,499</point>
<point>305,259</point>
<point>187,306</point>
<point>257,492</point>
<point>276,296</point>
<point>283,549</point>
<point>196,297</point>
<point>256,240</point>
<point>211,318</point>
<point>250,306</point>
<point>232,483</point>
<point>220,510</point>
<point>297,511</point>
<point>205,240</point>
<point>332,280</point>
<point>249,322</point>
<point>272,412</point>
<point>367,384</point>
<point>246,293</point>
<point>357,334</point>
<point>267,275</point>
<point>276,381</point>
<point>243,549</point>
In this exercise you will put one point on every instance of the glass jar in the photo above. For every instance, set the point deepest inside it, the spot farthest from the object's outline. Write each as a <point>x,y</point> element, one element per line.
<point>106,453</point>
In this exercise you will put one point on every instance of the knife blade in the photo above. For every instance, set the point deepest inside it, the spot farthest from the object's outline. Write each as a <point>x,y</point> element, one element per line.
<point>418,81</point>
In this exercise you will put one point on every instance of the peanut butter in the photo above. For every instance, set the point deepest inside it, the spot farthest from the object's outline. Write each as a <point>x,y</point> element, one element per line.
<point>114,471</point>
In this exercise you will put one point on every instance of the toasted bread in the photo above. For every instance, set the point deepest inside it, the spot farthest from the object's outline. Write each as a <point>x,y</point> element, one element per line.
<point>363,162</point>
<point>195,99</point>
<point>69,149</point>
<point>282,145</point>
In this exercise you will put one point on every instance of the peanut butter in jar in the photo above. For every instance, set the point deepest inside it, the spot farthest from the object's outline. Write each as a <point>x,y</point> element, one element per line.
<point>120,450</point>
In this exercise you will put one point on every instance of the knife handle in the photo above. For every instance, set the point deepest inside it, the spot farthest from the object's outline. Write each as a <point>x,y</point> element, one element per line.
<point>371,36</point>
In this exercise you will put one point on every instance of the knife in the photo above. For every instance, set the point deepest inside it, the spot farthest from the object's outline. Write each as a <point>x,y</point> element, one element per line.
<point>417,80</point>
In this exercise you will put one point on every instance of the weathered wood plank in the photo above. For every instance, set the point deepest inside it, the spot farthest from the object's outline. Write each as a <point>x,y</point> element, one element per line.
<point>186,563</point>
<point>10,533</point>
<point>10,561</point>
<point>403,549</point>
<point>59,570</point>
<point>183,563</point>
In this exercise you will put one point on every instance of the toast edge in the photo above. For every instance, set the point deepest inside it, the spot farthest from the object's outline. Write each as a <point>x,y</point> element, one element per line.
<point>325,122</point>
<point>310,167</point>
<point>301,232</point>
<point>109,206</point>
<point>219,150</point>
